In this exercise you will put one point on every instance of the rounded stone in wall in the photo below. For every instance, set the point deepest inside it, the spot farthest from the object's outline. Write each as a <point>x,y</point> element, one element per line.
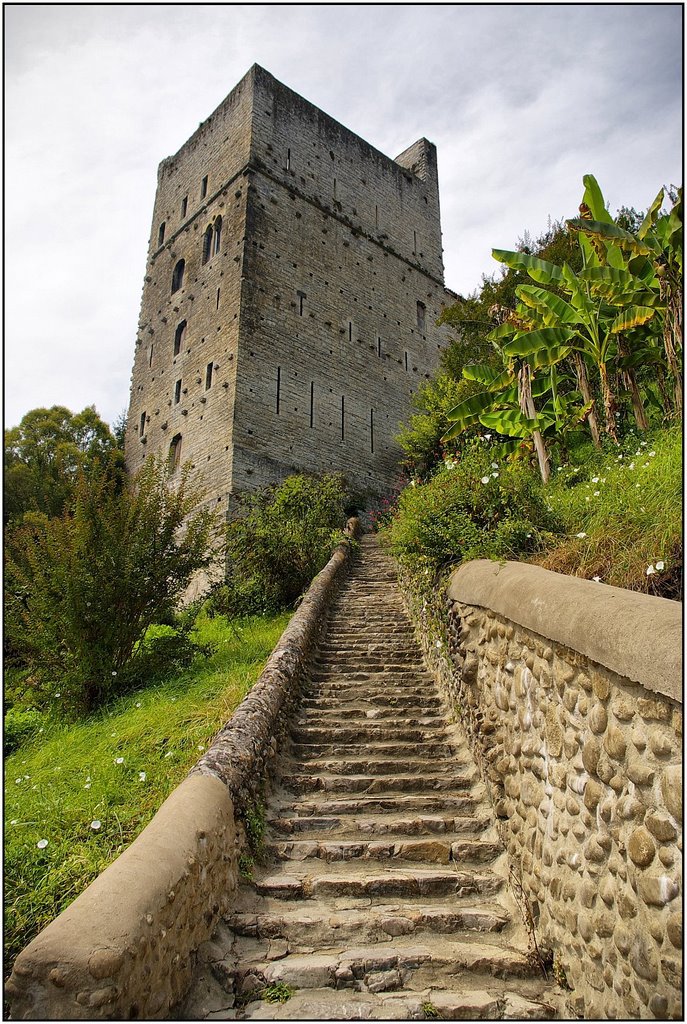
<point>598,719</point>
<point>671,790</point>
<point>591,752</point>
<point>615,743</point>
<point>674,930</point>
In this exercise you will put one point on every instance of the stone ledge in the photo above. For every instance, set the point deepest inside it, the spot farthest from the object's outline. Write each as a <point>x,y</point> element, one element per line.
<point>637,636</point>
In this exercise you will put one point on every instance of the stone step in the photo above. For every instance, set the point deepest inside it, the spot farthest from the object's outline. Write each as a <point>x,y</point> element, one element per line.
<point>387,785</point>
<point>381,803</point>
<point>363,827</point>
<point>308,751</point>
<point>381,701</point>
<point>392,848</point>
<point>385,766</point>
<point>318,924</point>
<point>364,732</point>
<point>317,879</point>
<point>401,681</point>
<point>345,1004</point>
<point>390,723</point>
<point>417,964</point>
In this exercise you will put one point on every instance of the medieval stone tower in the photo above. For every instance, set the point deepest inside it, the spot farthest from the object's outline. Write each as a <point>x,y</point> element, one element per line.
<point>293,281</point>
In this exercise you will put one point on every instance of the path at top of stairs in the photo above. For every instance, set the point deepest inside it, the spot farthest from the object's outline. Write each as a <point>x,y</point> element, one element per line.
<point>383,890</point>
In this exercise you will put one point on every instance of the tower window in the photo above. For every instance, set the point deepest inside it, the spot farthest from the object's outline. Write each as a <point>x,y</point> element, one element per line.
<point>301,297</point>
<point>421,311</point>
<point>161,234</point>
<point>208,376</point>
<point>278,387</point>
<point>174,460</point>
<point>178,276</point>
<point>312,403</point>
<point>372,430</point>
<point>142,425</point>
<point>204,187</point>
<point>184,206</point>
<point>288,159</point>
<point>179,337</point>
<point>207,243</point>
<point>379,347</point>
<point>343,413</point>
<point>217,237</point>
<point>150,356</point>
<point>177,392</point>
<point>405,355</point>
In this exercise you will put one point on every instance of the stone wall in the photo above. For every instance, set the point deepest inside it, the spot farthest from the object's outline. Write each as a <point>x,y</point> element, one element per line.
<point>570,692</point>
<point>126,948</point>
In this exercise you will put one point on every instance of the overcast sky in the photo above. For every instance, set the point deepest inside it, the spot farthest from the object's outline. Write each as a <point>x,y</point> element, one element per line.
<point>521,101</point>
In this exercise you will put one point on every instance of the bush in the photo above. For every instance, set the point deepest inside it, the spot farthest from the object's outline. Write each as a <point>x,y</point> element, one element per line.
<point>471,508</point>
<point>20,725</point>
<point>282,537</point>
<point>82,589</point>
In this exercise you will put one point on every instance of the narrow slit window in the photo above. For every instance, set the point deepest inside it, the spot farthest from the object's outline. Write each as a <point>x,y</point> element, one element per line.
<point>405,356</point>
<point>372,430</point>
<point>204,187</point>
<point>376,216</point>
<point>208,376</point>
<point>350,331</point>
<point>184,206</point>
<point>178,276</point>
<point>150,356</point>
<point>421,315</point>
<point>288,159</point>
<point>335,188</point>
<point>312,403</point>
<point>174,460</point>
<point>343,416</point>
<point>278,387</point>
<point>217,236</point>
<point>207,243</point>
<point>161,234</point>
<point>379,347</point>
<point>179,337</point>
<point>414,242</point>
<point>142,425</point>
<point>301,297</point>
<point>217,303</point>
<point>177,392</point>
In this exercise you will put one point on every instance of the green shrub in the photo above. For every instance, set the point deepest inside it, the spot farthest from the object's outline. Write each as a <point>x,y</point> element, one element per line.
<point>472,508</point>
<point>83,588</point>
<point>282,537</point>
<point>20,725</point>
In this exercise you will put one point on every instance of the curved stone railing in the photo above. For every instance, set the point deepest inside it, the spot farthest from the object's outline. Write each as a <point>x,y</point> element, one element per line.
<point>570,692</point>
<point>125,947</point>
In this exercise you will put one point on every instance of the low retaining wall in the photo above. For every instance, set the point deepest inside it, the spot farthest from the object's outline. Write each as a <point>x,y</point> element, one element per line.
<point>570,692</point>
<point>125,948</point>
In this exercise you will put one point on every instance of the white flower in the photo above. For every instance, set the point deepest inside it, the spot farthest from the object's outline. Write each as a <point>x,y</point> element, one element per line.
<point>487,437</point>
<point>660,566</point>
<point>652,454</point>
<point>18,782</point>
<point>88,778</point>
<point>439,644</point>
<point>650,570</point>
<point>14,821</point>
<point>645,465</point>
<point>119,760</point>
<point>529,534</point>
<point>587,498</point>
<point>58,694</point>
<point>595,479</point>
<point>581,535</point>
<point>114,673</point>
<point>138,704</point>
<point>95,825</point>
<point>169,753</point>
<point>494,475</point>
<point>485,479</point>
<point>201,747</point>
<point>141,776</point>
<point>42,843</point>
<point>597,493</point>
<point>631,466</point>
<point>597,579</point>
<point>494,465</point>
<point>87,786</point>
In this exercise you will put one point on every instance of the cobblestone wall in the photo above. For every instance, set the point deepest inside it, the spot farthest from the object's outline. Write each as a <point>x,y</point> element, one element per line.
<point>584,769</point>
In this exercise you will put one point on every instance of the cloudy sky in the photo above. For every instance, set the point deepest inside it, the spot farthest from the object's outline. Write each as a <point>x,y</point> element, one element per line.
<point>521,101</point>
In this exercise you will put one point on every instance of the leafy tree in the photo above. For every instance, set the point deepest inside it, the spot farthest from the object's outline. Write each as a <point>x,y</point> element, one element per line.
<point>82,588</point>
<point>421,439</point>
<point>45,454</point>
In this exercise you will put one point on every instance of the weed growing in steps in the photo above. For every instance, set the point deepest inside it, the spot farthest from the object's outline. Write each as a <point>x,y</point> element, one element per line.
<point>76,795</point>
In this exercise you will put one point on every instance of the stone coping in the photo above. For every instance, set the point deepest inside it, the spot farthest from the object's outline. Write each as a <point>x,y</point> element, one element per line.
<point>635,635</point>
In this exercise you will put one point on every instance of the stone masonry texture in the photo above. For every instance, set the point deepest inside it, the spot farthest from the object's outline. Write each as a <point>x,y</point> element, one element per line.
<point>306,315</point>
<point>584,771</point>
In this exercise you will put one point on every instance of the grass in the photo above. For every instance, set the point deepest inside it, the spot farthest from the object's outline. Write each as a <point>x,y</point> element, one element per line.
<point>627,504</point>
<point>89,788</point>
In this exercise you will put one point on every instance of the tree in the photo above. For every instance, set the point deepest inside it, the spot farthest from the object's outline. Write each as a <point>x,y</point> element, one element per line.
<point>45,453</point>
<point>82,588</point>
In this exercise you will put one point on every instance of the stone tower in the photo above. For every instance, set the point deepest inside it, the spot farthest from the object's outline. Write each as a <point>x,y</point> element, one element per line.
<point>293,281</point>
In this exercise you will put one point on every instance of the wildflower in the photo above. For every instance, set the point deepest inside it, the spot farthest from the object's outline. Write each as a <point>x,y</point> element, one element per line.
<point>645,465</point>
<point>95,825</point>
<point>18,782</point>
<point>487,437</point>
<point>581,535</point>
<point>650,570</point>
<point>494,475</point>
<point>141,776</point>
<point>88,778</point>
<point>595,479</point>
<point>494,465</point>
<point>114,673</point>
<point>587,498</point>
<point>87,786</point>
<point>597,579</point>
<point>529,534</point>
<point>58,694</point>
<point>201,747</point>
<point>597,493</point>
<point>439,644</point>
<point>652,454</point>
<point>169,753</point>
<point>485,479</point>
<point>42,843</point>
<point>119,760</point>
<point>14,821</point>
<point>138,704</point>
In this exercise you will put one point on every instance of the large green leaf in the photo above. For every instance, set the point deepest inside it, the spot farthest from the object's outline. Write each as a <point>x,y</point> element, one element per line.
<point>539,270</point>
<point>468,412</point>
<point>623,280</point>
<point>552,306</point>
<point>510,422</point>
<point>632,317</point>
<point>651,215</point>
<point>502,331</point>
<point>492,379</point>
<point>548,338</point>
<point>593,197</point>
<point>549,356</point>
<point>590,257</point>
<point>611,233</point>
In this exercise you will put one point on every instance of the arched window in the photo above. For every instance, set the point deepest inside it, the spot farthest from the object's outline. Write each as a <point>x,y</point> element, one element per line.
<point>179,337</point>
<point>217,240</point>
<point>174,460</point>
<point>178,276</point>
<point>207,243</point>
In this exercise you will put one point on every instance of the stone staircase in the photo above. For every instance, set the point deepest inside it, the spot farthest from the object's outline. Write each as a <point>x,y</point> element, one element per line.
<point>382,893</point>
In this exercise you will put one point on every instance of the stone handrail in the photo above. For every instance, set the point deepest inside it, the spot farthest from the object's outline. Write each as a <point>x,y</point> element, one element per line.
<point>125,947</point>
<point>570,694</point>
